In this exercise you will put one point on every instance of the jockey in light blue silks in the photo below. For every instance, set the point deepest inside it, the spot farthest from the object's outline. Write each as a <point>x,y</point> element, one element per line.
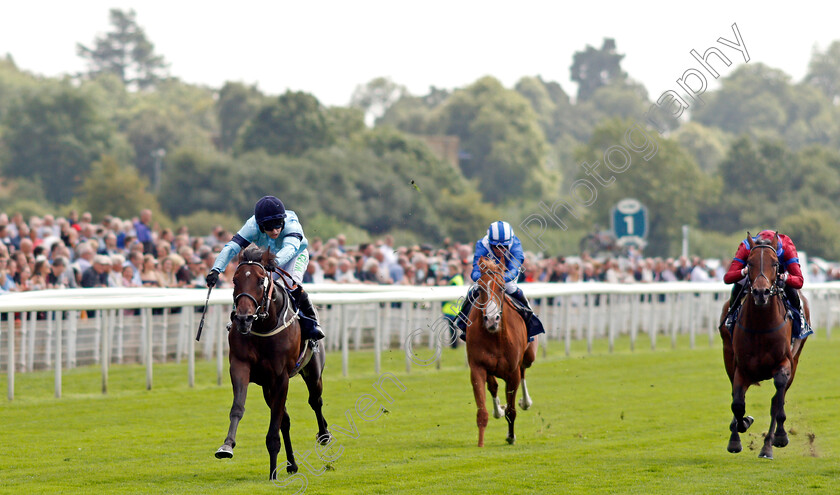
<point>278,229</point>
<point>503,245</point>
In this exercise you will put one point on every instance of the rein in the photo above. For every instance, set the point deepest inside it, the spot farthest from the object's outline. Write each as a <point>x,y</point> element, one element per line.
<point>268,292</point>
<point>261,313</point>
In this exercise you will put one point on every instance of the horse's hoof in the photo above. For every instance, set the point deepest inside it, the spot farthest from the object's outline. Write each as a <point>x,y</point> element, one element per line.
<point>511,440</point>
<point>324,439</point>
<point>765,455</point>
<point>224,452</point>
<point>780,441</point>
<point>733,448</point>
<point>745,424</point>
<point>498,413</point>
<point>525,405</point>
<point>292,468</point>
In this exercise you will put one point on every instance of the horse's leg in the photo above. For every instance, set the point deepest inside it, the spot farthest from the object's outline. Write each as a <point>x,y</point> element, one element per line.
<point>478,376</point>
<point>272,438</point>
<point>511,386</point>
<point>525,402</point>
<point>797,349</point>
<point>795,360</point>
<point>240,375</point>
<point>739,422</point>
<point>777,438</point>
<point>527,359</point>
<point>312,376</point>
<point>276,398</point>
<point>493,387</point>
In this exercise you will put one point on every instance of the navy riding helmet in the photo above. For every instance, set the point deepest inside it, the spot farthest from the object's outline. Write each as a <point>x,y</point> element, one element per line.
<point>270,213</point>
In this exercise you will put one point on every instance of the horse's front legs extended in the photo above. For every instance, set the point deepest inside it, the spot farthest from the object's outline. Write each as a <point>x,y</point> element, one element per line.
<point>739,422</point>
<point>240,373</point>
<point>478,376</point>
<point>778,438</point>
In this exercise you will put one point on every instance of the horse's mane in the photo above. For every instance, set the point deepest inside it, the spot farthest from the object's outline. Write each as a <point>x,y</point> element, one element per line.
<point>255,254</point>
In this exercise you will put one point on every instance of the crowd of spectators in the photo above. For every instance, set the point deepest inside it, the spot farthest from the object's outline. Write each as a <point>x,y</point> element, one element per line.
<point>50,253</point>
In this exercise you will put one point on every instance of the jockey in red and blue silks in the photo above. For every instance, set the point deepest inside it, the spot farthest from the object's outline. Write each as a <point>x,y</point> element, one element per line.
<point>503,245</point>
<point>790,276</point>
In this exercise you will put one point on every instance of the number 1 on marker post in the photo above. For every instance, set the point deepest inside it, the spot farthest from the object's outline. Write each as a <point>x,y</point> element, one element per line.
<point>629,221</point>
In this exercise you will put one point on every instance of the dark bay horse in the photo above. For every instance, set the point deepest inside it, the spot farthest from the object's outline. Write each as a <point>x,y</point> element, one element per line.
<point>266,349</point>
<point>760,346</point>
<point>497,346</point>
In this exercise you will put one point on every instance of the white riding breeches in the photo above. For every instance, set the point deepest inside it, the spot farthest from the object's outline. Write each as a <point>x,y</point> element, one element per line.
<point>296,267</point>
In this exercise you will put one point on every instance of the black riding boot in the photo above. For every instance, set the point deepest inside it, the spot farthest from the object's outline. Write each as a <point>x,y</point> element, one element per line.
<point>310,329</point>
<point>532,322</point>
<point>792,296</point>
<point>526,312</point>
<point>463,318</point>
<point>734,303</point>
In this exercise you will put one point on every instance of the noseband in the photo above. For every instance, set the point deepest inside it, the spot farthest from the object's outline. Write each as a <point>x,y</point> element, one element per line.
<point>774,289</point>
<point>261,313</point>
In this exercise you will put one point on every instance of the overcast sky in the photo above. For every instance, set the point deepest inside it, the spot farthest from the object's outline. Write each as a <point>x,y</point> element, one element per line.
<point>327,48</point>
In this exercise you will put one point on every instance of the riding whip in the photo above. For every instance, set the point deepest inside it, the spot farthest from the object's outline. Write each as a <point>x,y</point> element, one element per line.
<point>203,314</point>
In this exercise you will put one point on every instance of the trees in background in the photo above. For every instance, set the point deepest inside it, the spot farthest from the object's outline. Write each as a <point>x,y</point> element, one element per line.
<point>52,135</point>
<point>594,68</point>
<point>502,144</point>
<point>125,52</point>
<point>761,152</point>
<point>292,124</point>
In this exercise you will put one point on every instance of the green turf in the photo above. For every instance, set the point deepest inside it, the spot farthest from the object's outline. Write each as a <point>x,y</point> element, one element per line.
<point>627,422</point>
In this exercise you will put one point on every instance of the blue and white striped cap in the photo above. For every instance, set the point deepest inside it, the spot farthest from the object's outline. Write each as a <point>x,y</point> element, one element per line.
<point>500,233</point>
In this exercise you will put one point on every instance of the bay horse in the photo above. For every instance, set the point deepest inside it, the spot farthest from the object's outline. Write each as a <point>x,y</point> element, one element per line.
<point>266,349</point>
<point>759,347</point>
<point>497,346</point>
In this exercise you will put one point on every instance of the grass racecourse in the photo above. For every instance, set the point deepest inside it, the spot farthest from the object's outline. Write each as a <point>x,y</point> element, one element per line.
<point>627,422</point>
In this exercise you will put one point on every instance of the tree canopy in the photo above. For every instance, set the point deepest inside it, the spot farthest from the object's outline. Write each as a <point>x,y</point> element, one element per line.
<point>760,152</point>
<point>125,52</point>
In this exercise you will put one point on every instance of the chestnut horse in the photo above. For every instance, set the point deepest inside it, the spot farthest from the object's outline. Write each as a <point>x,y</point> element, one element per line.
<point>266,348</point>
<point>759,347</point>
<point>497,346</point>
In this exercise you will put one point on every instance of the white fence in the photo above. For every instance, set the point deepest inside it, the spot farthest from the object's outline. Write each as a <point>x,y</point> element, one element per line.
<point>69,328</point>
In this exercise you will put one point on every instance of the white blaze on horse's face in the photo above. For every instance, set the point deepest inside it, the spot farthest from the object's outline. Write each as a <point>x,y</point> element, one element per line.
<point>492,315</point>
<point>762,276</point>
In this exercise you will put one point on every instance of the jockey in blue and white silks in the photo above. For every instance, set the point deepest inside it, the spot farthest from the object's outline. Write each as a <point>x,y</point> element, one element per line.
<point>501,244</point>
<point>500,234</point>
<point>279,230</point>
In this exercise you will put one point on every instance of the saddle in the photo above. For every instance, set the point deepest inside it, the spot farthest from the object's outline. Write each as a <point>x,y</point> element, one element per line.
<point>533,325</point>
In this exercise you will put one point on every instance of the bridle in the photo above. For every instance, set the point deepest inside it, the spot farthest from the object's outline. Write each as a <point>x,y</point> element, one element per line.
<point>261,313</point>
<point>774,288</point>
<point>494,275</point>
